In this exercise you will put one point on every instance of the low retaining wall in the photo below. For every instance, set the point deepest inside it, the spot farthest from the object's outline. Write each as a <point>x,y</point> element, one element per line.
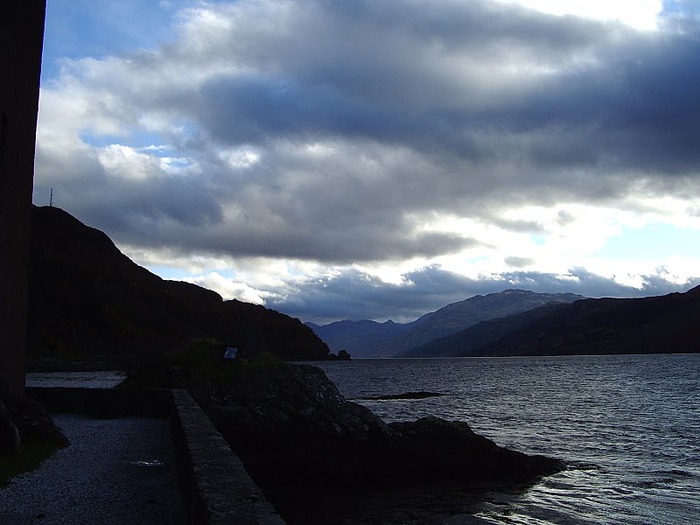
<point>216,489</point>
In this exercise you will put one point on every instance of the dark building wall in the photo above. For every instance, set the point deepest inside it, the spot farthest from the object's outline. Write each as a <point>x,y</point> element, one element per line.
<point>21,40</point>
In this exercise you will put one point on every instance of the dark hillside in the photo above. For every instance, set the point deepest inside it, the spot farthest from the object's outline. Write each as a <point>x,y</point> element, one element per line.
<point>473,340</point>
<point>664,324</point>
<point>87,299</point>
<point>464,314</point>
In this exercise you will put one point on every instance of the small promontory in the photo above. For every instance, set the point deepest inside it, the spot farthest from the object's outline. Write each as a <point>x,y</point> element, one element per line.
<point>309,448</point>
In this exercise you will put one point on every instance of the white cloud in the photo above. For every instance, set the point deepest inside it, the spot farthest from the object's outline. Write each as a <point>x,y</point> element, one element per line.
<point>640,14</point>
<point>229,288</point>
<point>288,151</point>
<point>127,163</point>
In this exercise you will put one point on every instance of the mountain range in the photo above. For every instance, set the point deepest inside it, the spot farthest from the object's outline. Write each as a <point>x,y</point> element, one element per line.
<point>87,299</point>
<point>520,322</point>
<point>663,324</point>
<point>372,339</point>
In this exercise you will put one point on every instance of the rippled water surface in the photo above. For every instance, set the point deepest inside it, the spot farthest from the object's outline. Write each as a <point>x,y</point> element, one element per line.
<point>629,426</point>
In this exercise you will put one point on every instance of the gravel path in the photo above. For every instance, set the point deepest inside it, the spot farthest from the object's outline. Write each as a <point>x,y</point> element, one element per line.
<point>116,471</point>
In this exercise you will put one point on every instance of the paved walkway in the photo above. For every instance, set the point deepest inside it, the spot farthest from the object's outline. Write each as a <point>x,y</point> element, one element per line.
<point>115,472</point>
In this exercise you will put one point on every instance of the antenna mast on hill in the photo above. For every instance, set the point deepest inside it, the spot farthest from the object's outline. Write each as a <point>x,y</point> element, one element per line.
<point>51,199</point>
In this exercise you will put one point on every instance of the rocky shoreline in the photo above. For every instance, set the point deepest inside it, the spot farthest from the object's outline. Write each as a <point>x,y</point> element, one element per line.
<point>312,451</point>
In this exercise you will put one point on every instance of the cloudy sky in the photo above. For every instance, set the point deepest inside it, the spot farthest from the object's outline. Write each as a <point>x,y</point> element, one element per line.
<point>379,159</point>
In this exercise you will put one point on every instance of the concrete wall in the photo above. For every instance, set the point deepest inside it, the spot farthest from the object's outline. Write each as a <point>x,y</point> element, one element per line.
<point>217,488</point>
<point>21,40</point>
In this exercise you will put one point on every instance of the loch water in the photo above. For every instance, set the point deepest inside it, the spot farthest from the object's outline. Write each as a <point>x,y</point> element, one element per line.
<point>627,425</point>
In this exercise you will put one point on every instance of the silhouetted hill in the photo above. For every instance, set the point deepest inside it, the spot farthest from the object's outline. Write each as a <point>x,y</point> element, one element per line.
<point>88,299</point>
<point>664,324</point>
<point>371,339</point>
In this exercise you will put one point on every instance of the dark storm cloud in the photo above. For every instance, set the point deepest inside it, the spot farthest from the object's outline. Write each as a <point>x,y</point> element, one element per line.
<point>639,113</point>
<point>355,295</point>
<point>277,239</point>
<point>614,106</point>
<point>358,295</point>
<point>340,132</point>
<point>498,103</point>
<point>263,110</point>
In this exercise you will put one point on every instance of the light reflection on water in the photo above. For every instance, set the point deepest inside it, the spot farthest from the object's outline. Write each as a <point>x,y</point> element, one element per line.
<point>628,425</point>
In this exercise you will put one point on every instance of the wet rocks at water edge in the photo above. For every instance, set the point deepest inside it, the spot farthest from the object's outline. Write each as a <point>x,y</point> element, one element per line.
<point>292,428</point>
<point>23,423</point>
<point>28,435</point>
<point>443,451</point>
<point>9,435</point>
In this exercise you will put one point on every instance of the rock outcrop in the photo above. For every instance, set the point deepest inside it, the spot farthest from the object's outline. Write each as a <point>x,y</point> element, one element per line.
<point>293,429</point>
<point>9,435</point>
<point>27,434</point>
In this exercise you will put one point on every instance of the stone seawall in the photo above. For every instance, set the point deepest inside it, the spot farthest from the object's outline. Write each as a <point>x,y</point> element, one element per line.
<point>216,489</point>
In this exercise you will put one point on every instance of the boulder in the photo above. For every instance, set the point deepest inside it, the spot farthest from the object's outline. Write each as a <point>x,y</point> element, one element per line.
<point>450,451</point>
<point>9,435</point>
<point>23,421</point>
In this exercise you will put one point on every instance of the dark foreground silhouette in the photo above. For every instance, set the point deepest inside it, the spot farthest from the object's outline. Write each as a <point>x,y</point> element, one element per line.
<point>88,301</point>
<point>318,456</point>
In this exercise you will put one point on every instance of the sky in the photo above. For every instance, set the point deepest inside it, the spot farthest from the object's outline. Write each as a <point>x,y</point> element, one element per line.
<point>365,159</point>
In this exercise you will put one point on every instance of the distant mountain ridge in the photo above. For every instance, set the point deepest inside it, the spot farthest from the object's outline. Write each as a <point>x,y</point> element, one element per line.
<point>662,324</point>
<point>88,299</point>
<point>474,340</point>
<point>372,339</point>
<point>361,338</point>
